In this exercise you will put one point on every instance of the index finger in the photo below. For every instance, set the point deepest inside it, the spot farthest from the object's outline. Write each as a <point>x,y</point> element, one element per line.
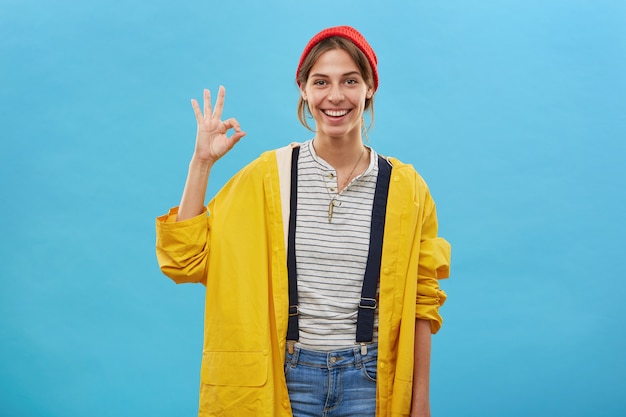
<point>219,103</point>
<point>207,103</point>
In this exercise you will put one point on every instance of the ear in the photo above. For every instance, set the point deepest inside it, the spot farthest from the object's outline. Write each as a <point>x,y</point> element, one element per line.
<point>303,94</point>
<point>369,94</point>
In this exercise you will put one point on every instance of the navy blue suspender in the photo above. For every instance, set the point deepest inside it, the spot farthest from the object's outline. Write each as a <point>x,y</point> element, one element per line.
<point>293,331</point>
<point>367,304</point>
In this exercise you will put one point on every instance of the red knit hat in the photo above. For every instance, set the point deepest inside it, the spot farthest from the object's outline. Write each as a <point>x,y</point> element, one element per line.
<point>352,35</point>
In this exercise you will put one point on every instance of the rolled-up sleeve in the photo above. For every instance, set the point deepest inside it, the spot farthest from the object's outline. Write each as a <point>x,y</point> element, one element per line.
<point>434,264</point>
<point>182,248</point>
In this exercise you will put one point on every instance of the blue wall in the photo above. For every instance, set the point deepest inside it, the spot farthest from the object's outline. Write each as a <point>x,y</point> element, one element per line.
<point>513,111</point>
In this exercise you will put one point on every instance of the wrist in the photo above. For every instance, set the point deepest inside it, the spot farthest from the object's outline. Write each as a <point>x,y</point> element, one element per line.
<point>201,163</point>
<point>420,410</point>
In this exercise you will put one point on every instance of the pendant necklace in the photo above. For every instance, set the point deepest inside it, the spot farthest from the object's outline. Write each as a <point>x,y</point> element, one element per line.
<point>333,200</point>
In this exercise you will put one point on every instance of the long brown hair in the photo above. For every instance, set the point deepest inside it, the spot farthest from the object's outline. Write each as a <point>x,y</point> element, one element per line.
<point>335,42</point>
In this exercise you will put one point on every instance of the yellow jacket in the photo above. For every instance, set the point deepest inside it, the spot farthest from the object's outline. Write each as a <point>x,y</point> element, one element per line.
<point>239,252</point>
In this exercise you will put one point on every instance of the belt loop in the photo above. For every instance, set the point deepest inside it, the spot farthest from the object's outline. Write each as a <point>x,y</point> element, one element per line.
<point>294,357</point>
<point>358,358</point>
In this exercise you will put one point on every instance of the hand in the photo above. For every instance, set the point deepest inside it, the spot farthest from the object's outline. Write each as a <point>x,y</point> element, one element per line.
<point>211,140</point>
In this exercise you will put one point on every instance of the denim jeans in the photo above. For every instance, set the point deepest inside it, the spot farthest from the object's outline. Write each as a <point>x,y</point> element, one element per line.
<point>332,384</point>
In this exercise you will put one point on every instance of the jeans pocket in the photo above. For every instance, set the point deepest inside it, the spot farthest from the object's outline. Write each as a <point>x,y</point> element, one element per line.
<point>369,369</point>
<point>289,363</point>
<point>288,368</point>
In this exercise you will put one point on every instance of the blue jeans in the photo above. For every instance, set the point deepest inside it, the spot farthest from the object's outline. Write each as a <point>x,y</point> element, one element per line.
<point>332,384</point>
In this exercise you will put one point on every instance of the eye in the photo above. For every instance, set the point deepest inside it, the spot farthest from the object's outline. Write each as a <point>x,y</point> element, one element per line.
<point>351,81</point>
<point>319,82</point>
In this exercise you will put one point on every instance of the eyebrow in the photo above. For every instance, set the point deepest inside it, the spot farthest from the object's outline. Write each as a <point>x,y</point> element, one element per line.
<point>344,75</point>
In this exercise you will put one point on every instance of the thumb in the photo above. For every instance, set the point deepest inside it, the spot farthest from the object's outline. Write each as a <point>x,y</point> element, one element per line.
<point>237,136</point>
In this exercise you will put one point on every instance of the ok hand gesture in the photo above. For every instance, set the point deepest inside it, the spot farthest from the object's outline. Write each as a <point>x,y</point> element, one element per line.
<point>211,140</point>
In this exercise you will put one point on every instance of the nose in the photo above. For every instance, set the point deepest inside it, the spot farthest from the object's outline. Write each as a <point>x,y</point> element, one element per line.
<point>335,94</point>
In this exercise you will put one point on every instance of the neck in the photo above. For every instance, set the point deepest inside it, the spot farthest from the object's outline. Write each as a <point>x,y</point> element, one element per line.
<point>338,152</point>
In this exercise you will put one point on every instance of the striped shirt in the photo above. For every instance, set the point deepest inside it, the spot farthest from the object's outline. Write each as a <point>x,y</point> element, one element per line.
<point>331,256</point>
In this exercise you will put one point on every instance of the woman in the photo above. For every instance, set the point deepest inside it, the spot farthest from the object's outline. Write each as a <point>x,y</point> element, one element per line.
<point>321,259</point>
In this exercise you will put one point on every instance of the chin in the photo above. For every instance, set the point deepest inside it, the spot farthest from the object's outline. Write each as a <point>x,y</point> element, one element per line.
<point>339,133</point>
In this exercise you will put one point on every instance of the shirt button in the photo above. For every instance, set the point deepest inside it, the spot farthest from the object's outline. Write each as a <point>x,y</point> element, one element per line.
<point>331,175</point>
<point>332,189</point>
<point>386,271</point>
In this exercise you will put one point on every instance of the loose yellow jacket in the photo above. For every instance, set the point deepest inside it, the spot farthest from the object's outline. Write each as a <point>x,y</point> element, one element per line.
<point>238,250</point>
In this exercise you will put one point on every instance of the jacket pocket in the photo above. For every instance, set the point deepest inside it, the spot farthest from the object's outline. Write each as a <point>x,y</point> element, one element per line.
<point>401,397</point>
<point>242,369</point>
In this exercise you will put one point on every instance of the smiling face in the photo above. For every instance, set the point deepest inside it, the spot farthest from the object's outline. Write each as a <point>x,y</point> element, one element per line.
<point>336,93</point>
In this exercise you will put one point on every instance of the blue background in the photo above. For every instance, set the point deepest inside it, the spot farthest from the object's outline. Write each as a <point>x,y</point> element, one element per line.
<point>513,111</point>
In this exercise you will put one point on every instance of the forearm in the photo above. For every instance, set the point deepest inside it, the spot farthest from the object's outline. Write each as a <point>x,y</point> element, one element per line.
<point>194,194</point>
<point>420,405</point>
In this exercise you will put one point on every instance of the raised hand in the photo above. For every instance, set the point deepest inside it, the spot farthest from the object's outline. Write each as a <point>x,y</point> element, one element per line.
<point>211,140</point>
<point>211,144</point>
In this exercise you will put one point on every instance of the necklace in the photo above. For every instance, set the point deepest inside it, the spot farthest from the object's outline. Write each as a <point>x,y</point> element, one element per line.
<point>333,200</point>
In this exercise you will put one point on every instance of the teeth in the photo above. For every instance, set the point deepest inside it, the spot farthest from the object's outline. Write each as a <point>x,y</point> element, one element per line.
<point>336,113</point>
